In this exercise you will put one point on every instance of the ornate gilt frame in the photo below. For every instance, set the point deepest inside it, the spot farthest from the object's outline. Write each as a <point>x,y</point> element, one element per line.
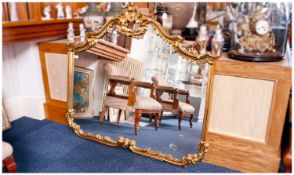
<point>130,14</point>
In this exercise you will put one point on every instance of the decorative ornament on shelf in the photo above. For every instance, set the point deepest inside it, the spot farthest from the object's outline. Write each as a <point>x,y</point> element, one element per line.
<point>68,12</point>
<point>113,9</point>
<point>80,11</point>
<point>82,33</point>
<point>192,22</point>
<point>70,32</point>
<point>46,12</point>
<point>13,12</point>
<point>256,29</point>
<point>202,39</point>
<point>160,10</point>
<point>93,19</point>
<point>217,42</point>
<point>83,9</point>
<point>60,13</point>
<point>167,22</point>
<point>191,29</point>
<point>114,36</point>
<point>261,32</point>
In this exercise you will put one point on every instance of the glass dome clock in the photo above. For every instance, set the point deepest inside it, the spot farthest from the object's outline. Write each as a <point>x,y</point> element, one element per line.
<point>260,32</point>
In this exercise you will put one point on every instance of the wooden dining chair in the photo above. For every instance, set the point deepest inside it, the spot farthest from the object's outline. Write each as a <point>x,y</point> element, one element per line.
<point>172,103</point>
<point>143,104</point>
<point>117,100</point>
<point>117,94</point>
<point>133,101</point>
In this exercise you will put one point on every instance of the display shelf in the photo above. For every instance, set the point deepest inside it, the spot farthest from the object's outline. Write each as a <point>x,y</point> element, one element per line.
<point>29,30</point>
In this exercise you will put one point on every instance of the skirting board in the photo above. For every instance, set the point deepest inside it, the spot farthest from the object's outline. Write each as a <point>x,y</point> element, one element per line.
<point>20,106</point>
<point>55,112</point>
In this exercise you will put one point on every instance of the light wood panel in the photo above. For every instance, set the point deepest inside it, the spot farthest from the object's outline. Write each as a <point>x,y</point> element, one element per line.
<point>56,65</point>
<point>257,92</point>
<point>55,110</point>
<point>245,103</point>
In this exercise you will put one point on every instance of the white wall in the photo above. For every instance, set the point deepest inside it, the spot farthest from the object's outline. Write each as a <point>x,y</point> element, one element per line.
<point>22,83</point>
<point>90,61</point>
<point>140,46</point>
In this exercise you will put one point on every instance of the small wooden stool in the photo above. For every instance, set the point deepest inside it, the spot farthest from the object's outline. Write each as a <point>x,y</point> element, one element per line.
<point>7,158</point>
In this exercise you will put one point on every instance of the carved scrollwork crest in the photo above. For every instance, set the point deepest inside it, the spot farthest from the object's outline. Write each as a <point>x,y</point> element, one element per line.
<point>131,22</point>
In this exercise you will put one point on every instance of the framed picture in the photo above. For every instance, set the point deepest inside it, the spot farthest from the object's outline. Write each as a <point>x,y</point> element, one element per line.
<point>83,93</point>
<point>5,121</point>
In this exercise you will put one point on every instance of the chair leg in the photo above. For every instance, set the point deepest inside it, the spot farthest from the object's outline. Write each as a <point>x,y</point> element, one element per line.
<point>137,120</point>
<point>125,112</point>
<point>191,118</point>
<point>102,116</point>
<point>10,164</point>
<point>157,116</point>
<point>150,118</point>
<point>118,117</point>
<point>180,119</point>
<point>161,115</point>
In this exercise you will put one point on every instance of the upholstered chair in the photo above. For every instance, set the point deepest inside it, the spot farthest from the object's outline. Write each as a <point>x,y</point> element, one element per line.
<point>115,76</point>
<point>7,158</point>
<point>172,103</point>
<point>133,102</point>
<point>143,104</point>
<point>122,70</point>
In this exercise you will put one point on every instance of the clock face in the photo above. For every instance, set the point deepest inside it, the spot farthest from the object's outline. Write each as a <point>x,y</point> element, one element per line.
<point>262,27</point>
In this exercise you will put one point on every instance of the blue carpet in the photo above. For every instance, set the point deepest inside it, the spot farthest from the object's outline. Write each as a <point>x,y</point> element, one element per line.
<point>45,146</point>
<point>168,139</point>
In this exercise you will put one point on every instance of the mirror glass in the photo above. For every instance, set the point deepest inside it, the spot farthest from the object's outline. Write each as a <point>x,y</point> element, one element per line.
<point>180,88</point>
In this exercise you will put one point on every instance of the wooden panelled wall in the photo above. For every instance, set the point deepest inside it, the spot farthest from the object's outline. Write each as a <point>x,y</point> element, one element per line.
<point>246,115</point>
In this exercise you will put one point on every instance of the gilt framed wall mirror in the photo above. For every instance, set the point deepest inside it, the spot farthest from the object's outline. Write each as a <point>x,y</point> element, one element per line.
<point>151,99</point>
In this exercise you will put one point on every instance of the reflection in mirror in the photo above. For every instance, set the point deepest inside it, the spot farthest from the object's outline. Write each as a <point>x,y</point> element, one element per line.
<point>153,96</point>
